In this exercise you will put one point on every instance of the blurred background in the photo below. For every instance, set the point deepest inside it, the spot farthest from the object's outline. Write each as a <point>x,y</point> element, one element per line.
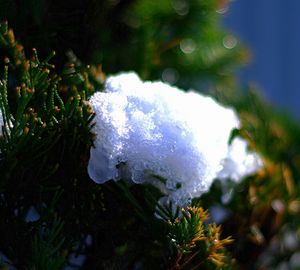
<point>270,29</point>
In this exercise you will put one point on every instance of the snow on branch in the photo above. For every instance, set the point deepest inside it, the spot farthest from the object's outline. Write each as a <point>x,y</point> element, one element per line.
<point>178,141</point>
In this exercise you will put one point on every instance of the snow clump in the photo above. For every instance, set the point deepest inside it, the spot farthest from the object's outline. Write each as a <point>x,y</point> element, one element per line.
<point>155,133</point>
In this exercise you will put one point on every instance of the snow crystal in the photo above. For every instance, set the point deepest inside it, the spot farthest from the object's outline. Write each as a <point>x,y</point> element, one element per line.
<point>177,141</point>
<point>32,215</point>
<point>1,122</point>
<point>8,125</point>
<point>239,162</point>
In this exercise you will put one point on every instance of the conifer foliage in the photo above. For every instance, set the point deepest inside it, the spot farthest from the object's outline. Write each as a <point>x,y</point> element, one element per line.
<point>53,216</point>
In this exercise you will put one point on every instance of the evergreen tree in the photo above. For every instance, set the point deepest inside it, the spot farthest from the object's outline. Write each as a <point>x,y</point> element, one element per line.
<point>51,212</point>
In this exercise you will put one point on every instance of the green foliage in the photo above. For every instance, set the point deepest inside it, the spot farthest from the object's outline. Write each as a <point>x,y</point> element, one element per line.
<point>46,245</point>
<point>181,39</point>
<point>44,149</point>
<point>183,36</point>
<point>198,244</point>
<point>46,136</point>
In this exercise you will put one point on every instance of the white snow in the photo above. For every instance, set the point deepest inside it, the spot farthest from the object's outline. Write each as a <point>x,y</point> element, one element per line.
<point>1,122</point>
<point>239,161</point>
<point>8,126</point>
<point>149,129</point>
